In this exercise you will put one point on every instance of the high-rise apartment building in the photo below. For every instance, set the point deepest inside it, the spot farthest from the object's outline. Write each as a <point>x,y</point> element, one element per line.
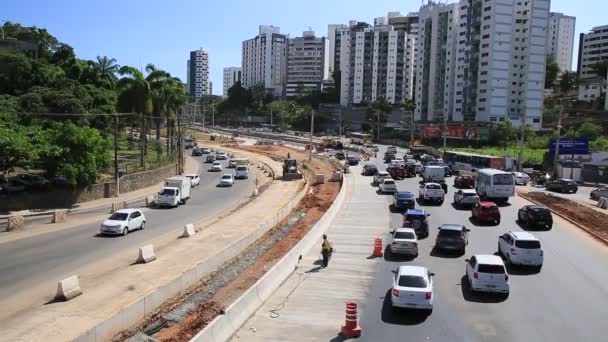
<point>264,60</point>
<point>307,63</point>
<point>593,49</point>
<point>231,76</point>
<point>482,61</point>
<point>333,35</point>
<point>199,74</point>
<point>377,62</point>
<point>560,39</point>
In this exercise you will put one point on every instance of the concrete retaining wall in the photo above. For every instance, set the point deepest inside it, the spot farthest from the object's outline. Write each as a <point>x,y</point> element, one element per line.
<point>224,326</point>
<point>136,312</point>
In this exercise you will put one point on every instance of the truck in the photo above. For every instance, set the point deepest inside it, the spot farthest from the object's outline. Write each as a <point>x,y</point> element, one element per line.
<point>175,192</point>
<point>431,192</point>
<point>433,173</point>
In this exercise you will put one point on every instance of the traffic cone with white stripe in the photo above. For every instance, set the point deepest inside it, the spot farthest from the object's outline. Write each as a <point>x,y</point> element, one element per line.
<point>351,326</point>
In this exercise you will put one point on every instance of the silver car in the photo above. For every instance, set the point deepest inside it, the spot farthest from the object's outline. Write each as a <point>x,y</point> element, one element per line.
<point>521,178</point>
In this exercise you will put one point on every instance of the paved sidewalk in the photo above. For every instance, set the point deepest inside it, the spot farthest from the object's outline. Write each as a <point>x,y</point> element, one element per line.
<point>310,305</point>
<point>106,293</point>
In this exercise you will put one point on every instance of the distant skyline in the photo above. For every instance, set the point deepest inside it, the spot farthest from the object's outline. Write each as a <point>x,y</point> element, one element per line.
<point>138,32</point>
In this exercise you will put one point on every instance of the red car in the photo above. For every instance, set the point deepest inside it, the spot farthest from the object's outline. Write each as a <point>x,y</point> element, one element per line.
<point>486,212</point>
<point>396,172</point>
<point>464,182</point>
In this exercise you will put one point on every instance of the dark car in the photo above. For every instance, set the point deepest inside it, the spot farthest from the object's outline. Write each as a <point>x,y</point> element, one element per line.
<point>535,215</point>
<point>352,160</point>
<point>563,185</point>
<point>404,200</point>
<point>340,155</point>
<point>448,171</point>
<point>464,182</point>
<point>33,182</point>
<point>210,158</point>
<point>196,151</point>
<point>370,170</point>
<point>418,220</point>
<point>396,172</point>
<point>452,237</point>
<point>410,170</point>
<point>388,157</point>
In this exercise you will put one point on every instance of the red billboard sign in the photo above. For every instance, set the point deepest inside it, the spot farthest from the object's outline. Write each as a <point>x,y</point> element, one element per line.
<point>452,132</point>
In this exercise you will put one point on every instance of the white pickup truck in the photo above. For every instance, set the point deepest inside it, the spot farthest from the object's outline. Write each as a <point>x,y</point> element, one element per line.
<point>431,192</point>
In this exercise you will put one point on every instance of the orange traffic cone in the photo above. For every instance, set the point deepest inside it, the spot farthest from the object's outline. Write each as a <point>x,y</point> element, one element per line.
<point>378,252</point>
<point>351,326</point>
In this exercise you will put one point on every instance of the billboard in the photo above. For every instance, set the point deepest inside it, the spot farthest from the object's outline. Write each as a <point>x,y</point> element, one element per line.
<point>456,132</point>
<point>570,146</point>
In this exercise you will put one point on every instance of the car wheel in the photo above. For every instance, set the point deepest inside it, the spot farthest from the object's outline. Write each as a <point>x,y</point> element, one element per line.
<point>143,225</point>
<point>125,231</point>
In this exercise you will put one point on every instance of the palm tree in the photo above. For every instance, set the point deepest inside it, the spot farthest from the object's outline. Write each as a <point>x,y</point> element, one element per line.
<point>567,82</point>
<point>158,82</point>
<point>135,94</point>
<point>106,69</point>
<point>409,106</point>
<point>377,111</point>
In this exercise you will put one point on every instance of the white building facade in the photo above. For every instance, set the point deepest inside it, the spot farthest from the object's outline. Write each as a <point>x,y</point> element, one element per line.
<point>560,39</point>
<point>307,63</point>
<point>264,60</point>
<point>231,76</point>
<point>199,74</point>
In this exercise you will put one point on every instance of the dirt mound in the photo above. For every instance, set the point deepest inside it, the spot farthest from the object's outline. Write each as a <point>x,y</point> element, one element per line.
<point>592,220</point>
<point>197,319</point>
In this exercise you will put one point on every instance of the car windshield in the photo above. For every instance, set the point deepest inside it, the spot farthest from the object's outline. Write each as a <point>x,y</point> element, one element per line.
<point>119,216</point>
<point>449,233</point>
<point>226,177</point>
<point>503,179</point>
<point>241,168</point>
<point>412,217</point>
<point>405,196</point>
<point>168,192</point>
<point>405,235</point>
<point>540,211</point>
<point>412,281</point>
<point>494,269</point>
<point>190,176</point>
<point>389,182</point>
<point>527,244</point>
<point>469,194</point>
<point>433,187</point>
<point>489,209</point>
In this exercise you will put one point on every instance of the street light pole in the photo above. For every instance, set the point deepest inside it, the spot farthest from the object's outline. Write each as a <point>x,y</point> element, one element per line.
<point>116,177</point>
<point>340,124</point>
<point>312,125</point>
<point>559,128</point>
<point>213,114</point>
<point>411,128</point>
<point>378,133</point>
<point>445,129</point>
<point>522,143</point>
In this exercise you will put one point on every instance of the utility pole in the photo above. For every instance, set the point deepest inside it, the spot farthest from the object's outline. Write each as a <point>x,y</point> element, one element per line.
<point>180,155</point>
<point>340,124</point>
<point>411,128</point>
<point>116,177</point>
<point>142,132</point>
<point>378,133</point>
<point>312,125</point>
<point>204,111</point>
<point>271,117</point>
<point>213,114</point>
<point>520,163</point>
<point>559,130</point>
<point>445,132</point>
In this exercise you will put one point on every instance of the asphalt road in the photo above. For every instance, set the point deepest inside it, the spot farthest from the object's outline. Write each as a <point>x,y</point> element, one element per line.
<point>566,301</point>
<point>43,258</point>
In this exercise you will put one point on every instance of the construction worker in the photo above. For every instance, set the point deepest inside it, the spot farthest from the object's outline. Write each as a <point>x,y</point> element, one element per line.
<point>326,250</point>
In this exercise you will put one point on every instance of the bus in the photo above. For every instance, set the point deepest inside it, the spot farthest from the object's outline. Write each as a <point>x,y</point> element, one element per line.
<point>495,185</point>
<point>359,138</point>
<point>462,161</point>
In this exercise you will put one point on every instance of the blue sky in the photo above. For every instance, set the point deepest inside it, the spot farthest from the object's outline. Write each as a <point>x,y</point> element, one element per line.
<point>137,32</point>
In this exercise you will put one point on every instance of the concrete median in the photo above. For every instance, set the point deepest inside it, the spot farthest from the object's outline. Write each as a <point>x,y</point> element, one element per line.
<point>146,254</point>
<point>59,215</point>
<point>68,288</point>
<point>223,327</point>
<point>188,231</point>
<point>14,223</point>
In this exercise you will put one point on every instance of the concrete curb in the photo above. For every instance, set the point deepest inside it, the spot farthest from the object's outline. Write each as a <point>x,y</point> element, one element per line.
<point>224,326</point>
<point>590,232</point>
<point>134,313</point>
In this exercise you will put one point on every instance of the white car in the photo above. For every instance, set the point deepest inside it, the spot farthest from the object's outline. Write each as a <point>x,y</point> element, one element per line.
<point>241,172</point>
<point>216,166</point>
<point>221,155</point>
<point>404,241</point>
<point>466,197</point>
<point>380,176</point>
<point>431,192</point>
<point>487,273</point>
<point>419,167</point>
<point>391,149</point>
<point>123,221</point>
<point>227,180</point>
<point>387,185</point>
<point>521,248</point>
<point>194,179</point>
<point>412,288</point>
<point>521,178</point>
<point>205,150</point>
<point>398,160</point>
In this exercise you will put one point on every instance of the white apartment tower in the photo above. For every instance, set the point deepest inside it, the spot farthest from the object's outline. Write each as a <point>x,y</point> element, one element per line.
<point>264,60</point>
<point>231,76</point>
<point>560,39</point>
<point>333,35</point>
<point>377,61</point>
<point>593,49</point>
<point>482,61</point>
<point>199,74</point>
<point>307,63</point>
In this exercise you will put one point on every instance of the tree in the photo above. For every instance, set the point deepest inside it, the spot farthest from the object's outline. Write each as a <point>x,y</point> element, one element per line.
<point>551,72</point>
<point>590,130</point>
<point>376,114</point>
<point>600,69</point>
<point>503,133</point>
<point>408,106</point>
<point>567,82</point>
<point>16,149</point>
<point>105,69</point>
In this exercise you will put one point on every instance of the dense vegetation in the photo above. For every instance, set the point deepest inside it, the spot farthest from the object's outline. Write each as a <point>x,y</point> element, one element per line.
<point>58,112</point>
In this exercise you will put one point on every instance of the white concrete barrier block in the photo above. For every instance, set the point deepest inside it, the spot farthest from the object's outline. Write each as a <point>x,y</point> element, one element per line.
<point>336,176</point>
<point>188,231</point>
<point>319,179</point>
<point>149,201</point>
<point>68,288</point>
<point>146,254</point>
<point>15,222</point>
<point>59,215</point>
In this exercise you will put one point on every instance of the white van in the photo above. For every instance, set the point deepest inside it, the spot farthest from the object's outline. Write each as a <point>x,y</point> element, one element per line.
<point>433,173</point>
<point>495,184</point>
<point>241,172</point>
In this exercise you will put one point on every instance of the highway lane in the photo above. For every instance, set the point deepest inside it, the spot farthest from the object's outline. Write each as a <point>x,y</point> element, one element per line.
<point>566,301</point>
<point>43,258</point>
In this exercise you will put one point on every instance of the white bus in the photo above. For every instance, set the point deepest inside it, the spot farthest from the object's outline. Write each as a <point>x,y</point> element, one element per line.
<point>495,184</point>
<point>359,138</point>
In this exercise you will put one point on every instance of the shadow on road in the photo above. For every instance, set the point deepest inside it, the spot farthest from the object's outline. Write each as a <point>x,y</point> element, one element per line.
<point>390,256</point>
<point>390,315</point>
<point>429,203</point>
<point>439,253</point>
<point>522,270</point>
<point>477,297</point>
<point>481,224</point>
